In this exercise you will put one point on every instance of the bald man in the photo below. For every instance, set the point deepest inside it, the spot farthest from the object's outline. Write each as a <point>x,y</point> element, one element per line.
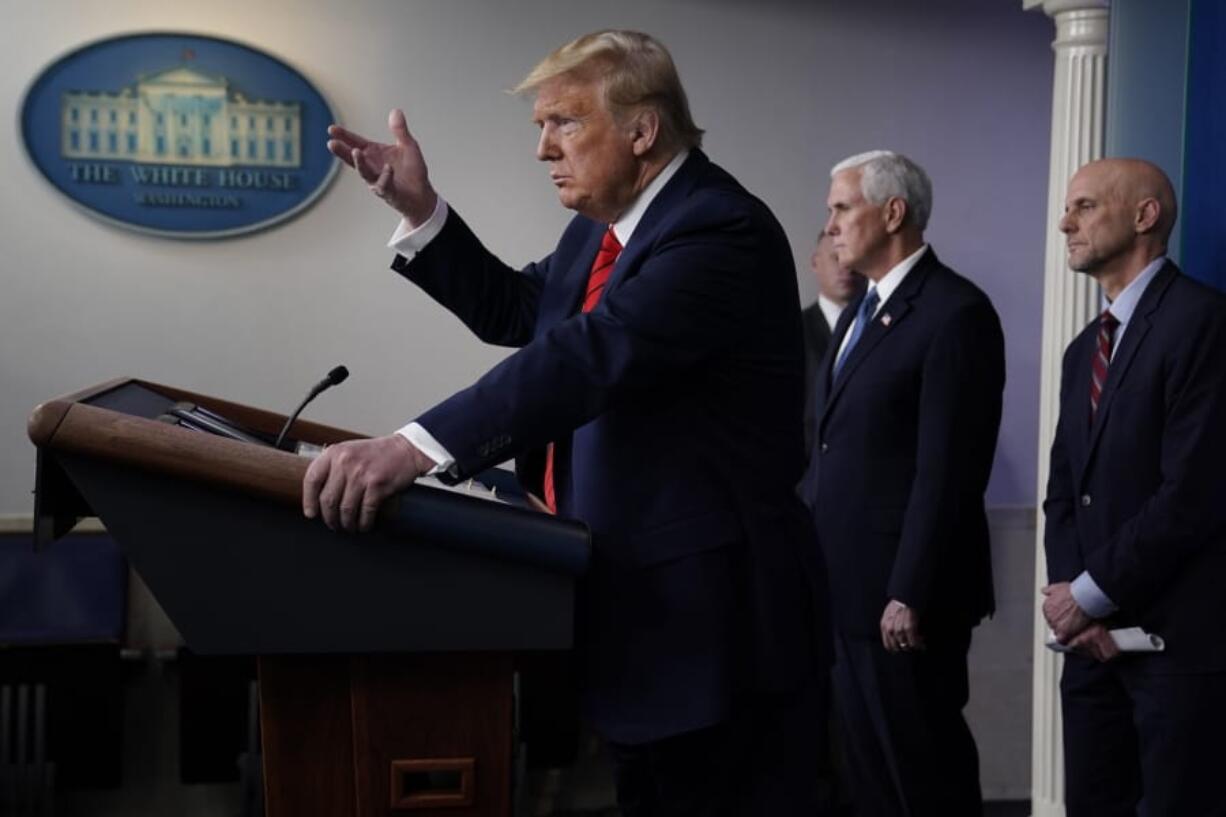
<point>1136,517</point>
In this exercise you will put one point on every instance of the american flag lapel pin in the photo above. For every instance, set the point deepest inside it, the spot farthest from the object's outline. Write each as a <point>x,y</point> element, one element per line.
<point>886,320</point>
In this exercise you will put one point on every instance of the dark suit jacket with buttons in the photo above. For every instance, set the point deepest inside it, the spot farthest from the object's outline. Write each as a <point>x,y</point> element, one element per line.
<point>1137,498</point>
<point>905,438</point>
<point>817,338</point>
<point>675,406</point>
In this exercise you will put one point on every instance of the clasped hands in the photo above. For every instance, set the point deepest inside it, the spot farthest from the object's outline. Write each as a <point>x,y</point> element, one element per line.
<point>1073,627</point>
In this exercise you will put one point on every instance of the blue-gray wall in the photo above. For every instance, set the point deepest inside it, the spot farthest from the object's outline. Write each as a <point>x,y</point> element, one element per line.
<point>963,87</point>
<point>1166,84</point>
<point>1204,168</point>
<point>1147,60</point>
<point>785,88</point>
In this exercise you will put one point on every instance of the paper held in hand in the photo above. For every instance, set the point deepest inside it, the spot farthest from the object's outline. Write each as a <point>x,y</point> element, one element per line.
<point>1128,639</point>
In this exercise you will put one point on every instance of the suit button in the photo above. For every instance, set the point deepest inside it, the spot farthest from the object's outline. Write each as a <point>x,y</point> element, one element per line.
<point>825,447</point>
<point>1085,500</point>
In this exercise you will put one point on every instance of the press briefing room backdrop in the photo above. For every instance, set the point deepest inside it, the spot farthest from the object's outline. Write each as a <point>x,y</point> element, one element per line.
<point>784,89</point>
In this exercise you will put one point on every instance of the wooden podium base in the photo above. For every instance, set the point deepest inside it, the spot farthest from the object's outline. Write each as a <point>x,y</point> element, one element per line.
<point>426,735</point>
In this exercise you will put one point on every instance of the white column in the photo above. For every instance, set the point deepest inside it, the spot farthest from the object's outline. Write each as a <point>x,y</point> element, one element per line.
<point>1070,301</point>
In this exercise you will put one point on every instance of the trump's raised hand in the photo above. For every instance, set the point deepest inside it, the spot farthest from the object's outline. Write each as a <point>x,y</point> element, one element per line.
<point>395,172</point>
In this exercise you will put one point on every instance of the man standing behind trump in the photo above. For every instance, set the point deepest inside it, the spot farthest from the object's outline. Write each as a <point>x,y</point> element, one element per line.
<point>656,394</point>
<point>908,409</point>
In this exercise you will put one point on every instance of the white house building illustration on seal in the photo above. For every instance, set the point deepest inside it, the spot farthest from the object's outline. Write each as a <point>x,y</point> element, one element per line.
<point>180,116</point>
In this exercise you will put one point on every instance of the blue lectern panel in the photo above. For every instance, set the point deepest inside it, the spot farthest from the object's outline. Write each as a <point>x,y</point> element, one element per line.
<point>1204,207</point>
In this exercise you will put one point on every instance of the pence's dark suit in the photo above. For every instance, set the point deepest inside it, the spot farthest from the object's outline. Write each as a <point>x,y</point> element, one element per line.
<point>817,338</point>
<point>905,439</point>
<point>1138,500</point>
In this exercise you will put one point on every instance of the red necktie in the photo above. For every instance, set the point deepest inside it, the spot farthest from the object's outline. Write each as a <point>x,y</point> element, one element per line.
<point>1102,359</point>
<point>606,257</point>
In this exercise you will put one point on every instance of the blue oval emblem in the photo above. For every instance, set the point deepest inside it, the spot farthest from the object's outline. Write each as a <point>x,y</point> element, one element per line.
<point>179,135</point>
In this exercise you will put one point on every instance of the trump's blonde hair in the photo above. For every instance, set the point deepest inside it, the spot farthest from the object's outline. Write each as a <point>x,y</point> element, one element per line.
<point>635,71</point>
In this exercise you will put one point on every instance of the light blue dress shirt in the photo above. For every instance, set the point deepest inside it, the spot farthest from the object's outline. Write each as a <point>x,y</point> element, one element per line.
<point>1086,592</point>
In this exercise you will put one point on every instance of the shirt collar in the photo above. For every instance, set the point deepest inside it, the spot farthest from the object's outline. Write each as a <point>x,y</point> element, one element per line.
<point>1126,302</point>
<point>830,310</point>
<point>624,227</point>
<point>894,278</point>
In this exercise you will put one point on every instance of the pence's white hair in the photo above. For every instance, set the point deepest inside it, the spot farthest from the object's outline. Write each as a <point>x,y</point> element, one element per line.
<point>885,174</point>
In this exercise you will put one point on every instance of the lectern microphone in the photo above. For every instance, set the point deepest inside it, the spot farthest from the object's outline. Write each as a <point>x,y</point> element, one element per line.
<point>335,377</point>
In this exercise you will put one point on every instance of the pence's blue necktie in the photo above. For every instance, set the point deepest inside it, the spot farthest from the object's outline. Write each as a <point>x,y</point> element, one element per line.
<point>865,314</point>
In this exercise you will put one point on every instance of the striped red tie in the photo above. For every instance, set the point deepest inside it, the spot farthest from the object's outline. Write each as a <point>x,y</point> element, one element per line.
<point>602,267</point>
<point>1102,358</point>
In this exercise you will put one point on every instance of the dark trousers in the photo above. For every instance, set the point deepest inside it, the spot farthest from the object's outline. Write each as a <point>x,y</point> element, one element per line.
<point>764,761</point>
<point>1142,744</point>
<point>907,748</point>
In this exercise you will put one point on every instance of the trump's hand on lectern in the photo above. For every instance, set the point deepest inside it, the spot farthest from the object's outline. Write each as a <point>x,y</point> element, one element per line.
<point>395,172</point>
<point>347,482</point>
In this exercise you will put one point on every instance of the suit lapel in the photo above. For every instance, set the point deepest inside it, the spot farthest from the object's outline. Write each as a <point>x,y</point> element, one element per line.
<point>668,200</point>
<point>888,317</point>
<point>1138,327</point>
<point>828,361</point>
<point>1077,404</point>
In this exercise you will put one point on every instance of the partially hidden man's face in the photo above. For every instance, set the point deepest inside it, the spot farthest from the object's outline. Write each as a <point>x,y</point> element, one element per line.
<point>590,154</point>
<point>857,228</point>
<point>837,282</point>
<point>1097,221</point>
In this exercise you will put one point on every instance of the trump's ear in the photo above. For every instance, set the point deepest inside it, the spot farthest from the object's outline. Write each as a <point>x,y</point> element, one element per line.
<point>644,130</point>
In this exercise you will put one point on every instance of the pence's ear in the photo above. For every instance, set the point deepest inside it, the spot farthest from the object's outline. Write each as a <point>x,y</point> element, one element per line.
<point>895,212</point>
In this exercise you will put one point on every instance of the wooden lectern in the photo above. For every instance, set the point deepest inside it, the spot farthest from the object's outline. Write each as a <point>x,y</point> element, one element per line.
<point>385,659</point>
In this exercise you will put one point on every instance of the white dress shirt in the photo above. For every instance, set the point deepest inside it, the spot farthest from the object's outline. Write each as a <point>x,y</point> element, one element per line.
<point>830,310</point>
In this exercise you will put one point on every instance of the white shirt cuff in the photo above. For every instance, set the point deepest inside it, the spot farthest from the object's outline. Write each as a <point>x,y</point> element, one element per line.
<point>409,241</point>
<point>1090,597</point>
<point>429,446</point>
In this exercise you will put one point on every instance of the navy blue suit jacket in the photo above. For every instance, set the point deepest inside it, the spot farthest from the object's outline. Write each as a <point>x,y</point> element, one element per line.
<point>905,438</point>
<point>675,406</point>
<point>817,338</point>
<point>1137,497</point>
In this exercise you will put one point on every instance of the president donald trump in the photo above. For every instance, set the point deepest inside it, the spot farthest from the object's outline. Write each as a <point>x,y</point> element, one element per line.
<point>656,394</point>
